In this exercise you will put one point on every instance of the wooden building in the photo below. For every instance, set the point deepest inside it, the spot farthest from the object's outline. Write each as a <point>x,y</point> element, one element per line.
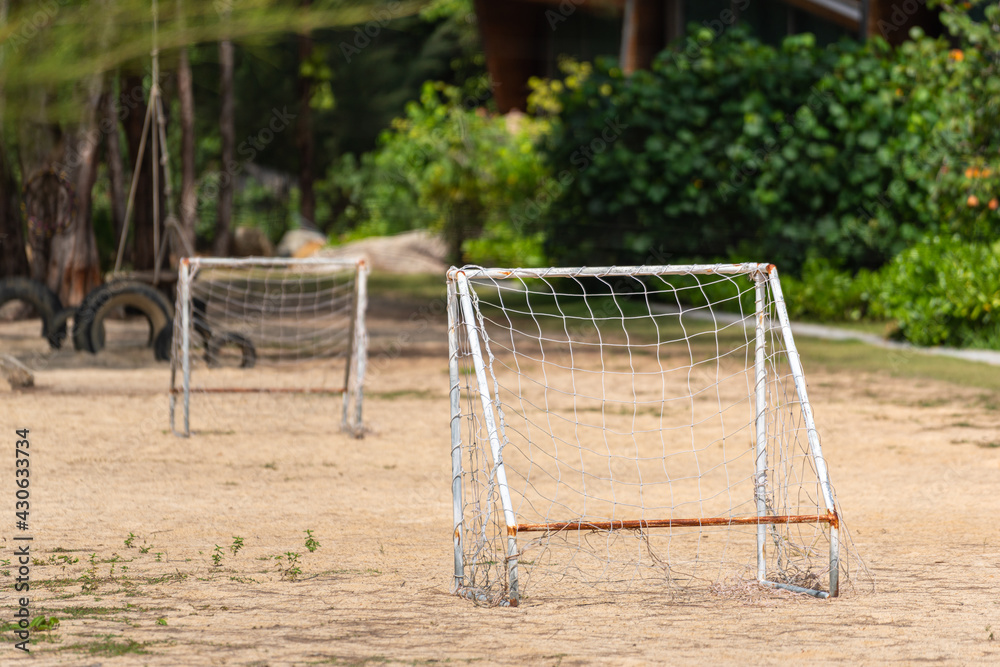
<point>524,38</point>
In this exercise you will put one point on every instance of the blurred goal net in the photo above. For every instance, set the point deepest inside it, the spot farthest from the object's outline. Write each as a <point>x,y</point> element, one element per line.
<point>262,329</point>
<point>612,426</point>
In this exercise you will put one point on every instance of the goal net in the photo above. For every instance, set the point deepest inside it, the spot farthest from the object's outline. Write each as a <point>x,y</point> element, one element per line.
<point>261,329</point>
<point>632,424</point>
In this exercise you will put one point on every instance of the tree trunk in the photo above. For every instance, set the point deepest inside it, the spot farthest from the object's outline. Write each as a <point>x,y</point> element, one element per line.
<point>227,132</point>
<point>74,265</point>
<point>303,136</point>
<point>189,193</point>
<point>59,164</point>
<point>116,168</point>
<point>13,260</point>
<point>143,252</point>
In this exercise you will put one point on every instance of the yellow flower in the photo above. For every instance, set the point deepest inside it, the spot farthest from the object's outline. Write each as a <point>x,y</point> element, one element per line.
<point>606,89</point>
<point>956,55</point>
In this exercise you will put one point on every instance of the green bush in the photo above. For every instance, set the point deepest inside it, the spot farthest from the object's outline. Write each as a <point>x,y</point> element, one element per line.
<point>646,161</point>
<point>450,166</point>
<point>945,291</point>
<point>848,153</point>
<point>827,294</point>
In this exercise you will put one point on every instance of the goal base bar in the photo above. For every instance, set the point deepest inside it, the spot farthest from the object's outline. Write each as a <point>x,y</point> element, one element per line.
<point>822,595</point>
<point>639,524</point>
<point>261,390</point>
<point>480,596</point>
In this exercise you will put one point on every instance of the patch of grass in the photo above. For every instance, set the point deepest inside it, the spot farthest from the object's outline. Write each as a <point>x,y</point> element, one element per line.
<point>406,393</point>
<point>988,445</point>
<point>411,288</point>
<point>108,645</point>
<point>167,578</point>
<point>83,612</point>
<point>852,355</point>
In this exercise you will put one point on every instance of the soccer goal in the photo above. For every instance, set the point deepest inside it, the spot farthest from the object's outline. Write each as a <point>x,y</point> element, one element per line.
<point>632,427</point>
<point>254,328</point>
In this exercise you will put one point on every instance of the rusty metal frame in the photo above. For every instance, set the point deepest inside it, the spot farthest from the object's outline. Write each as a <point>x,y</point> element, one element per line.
<point>815,448</point>
<point>460,308</point>
<point>455,396</point>
<point>496,447</point>
<point>642,524</point>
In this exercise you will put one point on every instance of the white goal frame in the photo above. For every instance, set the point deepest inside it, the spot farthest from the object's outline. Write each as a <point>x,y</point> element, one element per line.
<point>356,359</point>
<point>465,322</point>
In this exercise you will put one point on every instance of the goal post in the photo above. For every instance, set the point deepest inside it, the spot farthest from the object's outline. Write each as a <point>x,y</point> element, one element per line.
<point>612,425</point>
<point>255,326</point>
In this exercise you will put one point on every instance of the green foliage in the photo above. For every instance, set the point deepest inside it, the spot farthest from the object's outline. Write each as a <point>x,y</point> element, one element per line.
<point>828,294</point>
<point>649,159</point>
<point>311,543</point>
<point>43,623</point>
<point>452,167</point>
<point>945,291</point>
<point>848,153</point>
<point>217,556</point>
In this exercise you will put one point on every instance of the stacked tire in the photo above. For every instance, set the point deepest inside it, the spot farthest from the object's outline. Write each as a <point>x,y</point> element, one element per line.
<point>45,302</point>
<point>88,321</point>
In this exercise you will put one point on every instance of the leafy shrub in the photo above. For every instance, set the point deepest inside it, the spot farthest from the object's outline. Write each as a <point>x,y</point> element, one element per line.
<point>945,291</point>
<point>647,160</point>
<point>827,294</point>
<point>451,167</point>
<point>848,153</point>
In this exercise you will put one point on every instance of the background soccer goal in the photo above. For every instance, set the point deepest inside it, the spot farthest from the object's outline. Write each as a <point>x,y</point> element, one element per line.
<point>635,424</point>
<point>253,327</point>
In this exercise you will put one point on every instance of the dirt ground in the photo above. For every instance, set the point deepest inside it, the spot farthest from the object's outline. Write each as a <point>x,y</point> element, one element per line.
<point>134,529</point>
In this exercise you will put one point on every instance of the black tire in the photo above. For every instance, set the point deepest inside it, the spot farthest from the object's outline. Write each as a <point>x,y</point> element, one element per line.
<point>44,301</point>
<point>199,315</point>
<point>88,323</point>
<point>59,326</point>
<point>216,342</point>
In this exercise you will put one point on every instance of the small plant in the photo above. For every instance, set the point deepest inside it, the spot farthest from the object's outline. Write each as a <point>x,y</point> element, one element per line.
<point>236,545</point>
<point>43,624</point>
<point>161,621</point>
<point>88,579</point>
<point>129,540</point>
<point>291,569</point>
<point>159,556</point>
<point>217,556</point>
<point>989,634</point>
<point>311,543</point>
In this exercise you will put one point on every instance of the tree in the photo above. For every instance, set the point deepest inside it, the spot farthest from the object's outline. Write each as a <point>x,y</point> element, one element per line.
<point>189,192</point>
<point>303,130</point>
<point>227,132</point>
<point>13,261</point>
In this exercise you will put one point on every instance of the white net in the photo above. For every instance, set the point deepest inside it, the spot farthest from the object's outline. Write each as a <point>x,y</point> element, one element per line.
<point>624,409</point>
<point>261,328</point>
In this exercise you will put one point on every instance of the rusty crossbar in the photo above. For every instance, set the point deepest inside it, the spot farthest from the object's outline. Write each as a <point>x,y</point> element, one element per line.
<point>260,390</point>
<point>638,524</point>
